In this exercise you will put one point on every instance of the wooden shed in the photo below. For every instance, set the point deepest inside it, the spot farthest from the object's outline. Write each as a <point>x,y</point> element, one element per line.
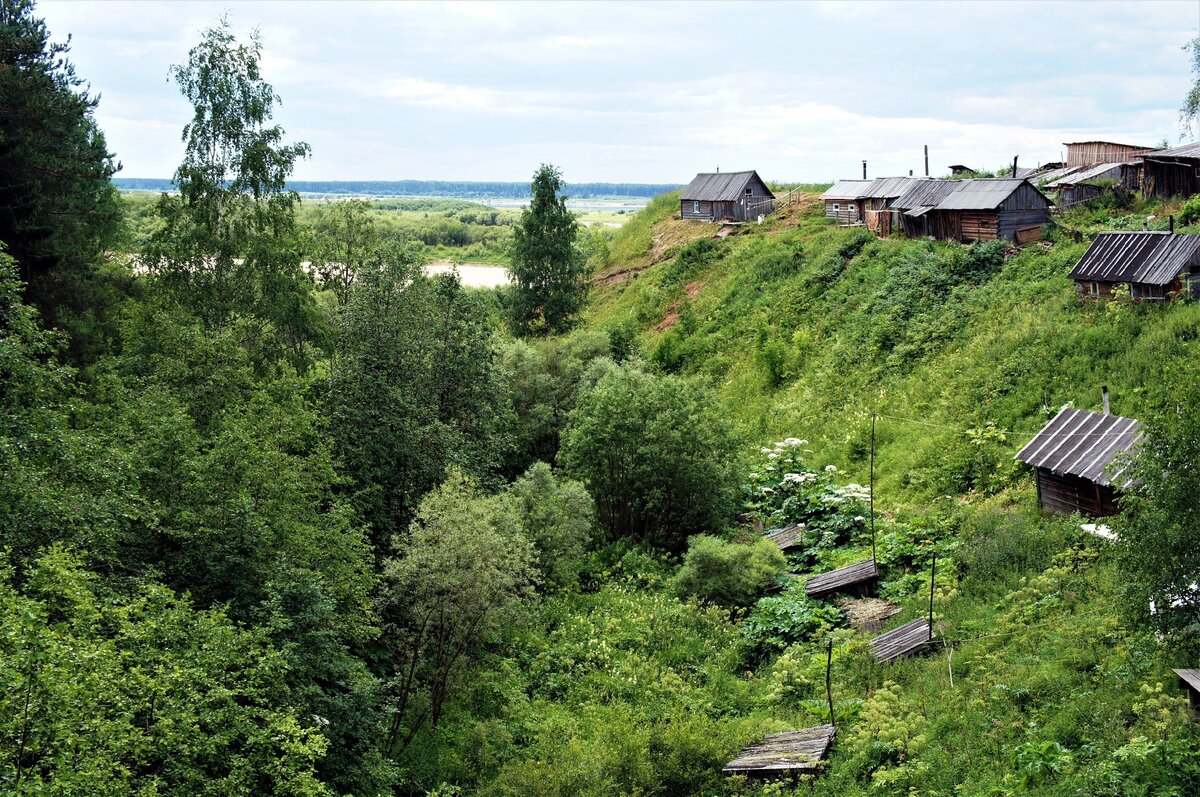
<point>1171,172</point>
<point>726,196</point>
<point>844,201</point>
<point>987,210</point>
<point>785,754</point>
<point>1189,681</point>
<point>1074,456</point>
<point>1156,265</point>
<point>1084,184</point>
<point>913,206</point>
<point>1089,153</point>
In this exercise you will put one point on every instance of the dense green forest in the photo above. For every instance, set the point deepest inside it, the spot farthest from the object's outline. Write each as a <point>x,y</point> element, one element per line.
<point>284,515</point>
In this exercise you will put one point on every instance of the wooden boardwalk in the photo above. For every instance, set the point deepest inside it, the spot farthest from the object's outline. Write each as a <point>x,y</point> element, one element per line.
<point>858,578</point>
<point>787,537</point>
<point>906,640</point>
<point>782,754</point>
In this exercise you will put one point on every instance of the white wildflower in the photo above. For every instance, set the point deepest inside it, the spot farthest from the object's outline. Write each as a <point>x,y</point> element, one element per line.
<point>767,491</point>
<point>831,468</point>
<point>772,455</point>
<point>793,442</point>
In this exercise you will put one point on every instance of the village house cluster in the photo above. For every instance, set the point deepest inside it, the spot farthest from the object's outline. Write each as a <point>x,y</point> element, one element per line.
<point>1155,265</point>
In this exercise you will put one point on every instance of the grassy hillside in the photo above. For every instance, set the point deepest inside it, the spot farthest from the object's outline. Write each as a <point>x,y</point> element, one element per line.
<point>1037,684</point>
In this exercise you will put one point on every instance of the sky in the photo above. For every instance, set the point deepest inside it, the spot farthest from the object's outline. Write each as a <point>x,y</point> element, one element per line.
<point>653,92</point>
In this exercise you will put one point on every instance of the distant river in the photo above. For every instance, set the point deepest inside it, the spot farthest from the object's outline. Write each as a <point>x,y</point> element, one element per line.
<point>473,275</point>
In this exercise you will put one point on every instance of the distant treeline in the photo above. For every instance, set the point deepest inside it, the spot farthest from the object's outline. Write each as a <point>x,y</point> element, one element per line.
<point>429,188</point>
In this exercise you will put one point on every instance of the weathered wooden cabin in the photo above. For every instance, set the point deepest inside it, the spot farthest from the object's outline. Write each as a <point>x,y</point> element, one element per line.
<point>913,206</point>
<point>878,198</point>
<point>1089,153</point>
<point>844,201</point>
<point>1084,184</point>
<point>1074,456</point>
<point>726,196</point>
<point>959,170</point>
<point>987,210</point>
<point>1189,681</point>
<point>1171,172</point>
<point>1156,265</point>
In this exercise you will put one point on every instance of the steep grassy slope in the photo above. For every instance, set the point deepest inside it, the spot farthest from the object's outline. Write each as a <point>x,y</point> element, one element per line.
<point>806,329</point>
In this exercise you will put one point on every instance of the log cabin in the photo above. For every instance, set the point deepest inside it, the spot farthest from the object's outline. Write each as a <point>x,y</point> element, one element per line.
<point>726,196</point>
<point>1078,459</point>
<point>1171,172</point>
<point>844,201</point>
<point>991,209</point>
<point>1156,266</point>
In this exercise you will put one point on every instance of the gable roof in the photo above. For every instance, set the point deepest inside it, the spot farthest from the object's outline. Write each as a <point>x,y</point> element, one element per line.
<point>720,186</point>
<point>847,189</point>
<point>1084,444</point>
<point>982,194</point>
<point>887,187</point>
<point>1152,258</point>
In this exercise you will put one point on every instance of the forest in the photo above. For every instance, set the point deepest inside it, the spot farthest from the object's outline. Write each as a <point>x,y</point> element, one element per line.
<point>283,515</point>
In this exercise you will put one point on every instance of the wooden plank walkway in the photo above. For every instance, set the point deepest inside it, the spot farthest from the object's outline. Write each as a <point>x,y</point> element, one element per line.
<point>787,537</point>
<point>780,754</point>
<point>858,577</point>
<point>906,640</point>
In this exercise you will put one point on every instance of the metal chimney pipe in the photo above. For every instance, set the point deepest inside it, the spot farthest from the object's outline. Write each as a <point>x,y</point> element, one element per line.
<point>1014,165</point>
<point>1104,394</point>
<point>864,170</point>
<point>926,160</point>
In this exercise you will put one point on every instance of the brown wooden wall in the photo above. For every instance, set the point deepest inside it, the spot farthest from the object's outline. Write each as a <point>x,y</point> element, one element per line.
<point>843,214</point>
<point>1068,494</point>
<point>704,214</point>
<point>1165,179</point>
<point>1091,152</point>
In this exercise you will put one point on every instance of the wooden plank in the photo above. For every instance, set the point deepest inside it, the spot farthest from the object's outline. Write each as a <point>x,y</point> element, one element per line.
<point>784,753</point>
<point>844,579</point>
<point>907,640</point>
<point>787,537</point>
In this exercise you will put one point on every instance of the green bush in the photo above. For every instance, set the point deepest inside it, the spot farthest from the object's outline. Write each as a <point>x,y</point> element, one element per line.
<point>728,573</point>
<point>781,620</point>
<point>1189,213</point>
<point>557,516</point>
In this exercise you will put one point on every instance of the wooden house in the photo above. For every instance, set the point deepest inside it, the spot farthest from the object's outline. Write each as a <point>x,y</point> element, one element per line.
<point>1171,172</point>
<point>726,196</point>
<point>1156,265</point>
<point>1083,184</point>
<point>913,206</point>
<point>1074,456</point>
<point>958,170</point>
<point>844,201</point>
<point>987,210</point>
<point>1090,153</point>
<point>878,198</point>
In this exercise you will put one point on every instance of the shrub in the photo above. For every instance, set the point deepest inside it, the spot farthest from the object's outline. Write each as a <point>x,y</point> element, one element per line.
<point>1190,211</point>
<point>728,573</point>
<point>557,516</point>
<point>780,620</point>
<point>654,455</point>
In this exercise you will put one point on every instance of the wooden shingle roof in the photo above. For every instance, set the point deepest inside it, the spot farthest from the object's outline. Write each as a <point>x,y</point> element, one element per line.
<point>843,578</point>
<point>1084,444</point>
<point>1153,258</point>
<point>719,186</point>
<point>787,537</point>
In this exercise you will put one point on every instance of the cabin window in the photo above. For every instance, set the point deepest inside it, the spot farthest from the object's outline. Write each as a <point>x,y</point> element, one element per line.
<point>1094,290</point>
<point>851,207</point>
<point>696,206</point>
<point>749,191</point>
<point>836,206</point>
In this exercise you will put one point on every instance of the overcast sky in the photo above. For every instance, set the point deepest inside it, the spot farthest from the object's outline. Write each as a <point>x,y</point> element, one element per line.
<point>653,91</point>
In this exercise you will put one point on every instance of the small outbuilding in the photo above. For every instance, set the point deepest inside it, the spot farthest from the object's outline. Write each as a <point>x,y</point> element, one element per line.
<point>913,207</point>
<point>991,209</point>
<point>1156,265</point>
<point>844,201</point>
<point>1171,172</point>
<point>726,196</point>
<point>1074,455</point>
<point>1189,681</point>
<point>780,755</point>
<point>1084,184</point>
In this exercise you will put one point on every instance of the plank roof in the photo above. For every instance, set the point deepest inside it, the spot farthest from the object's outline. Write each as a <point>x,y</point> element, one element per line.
<point>1152,258</point>
<point>1187,151</point>
<point>787,537</point>
<point>719,186</point>
<point>844,577</point>
<point>1189,677</point>
<point>925,194</point>
<point>887,187</point>
<point>783,753</point>
<point>910,638</point>
<point>1084,444</point>
<point>847,189</point>
<point>1050,175</point>
<point>981,194</point>
<point>1097,172</point>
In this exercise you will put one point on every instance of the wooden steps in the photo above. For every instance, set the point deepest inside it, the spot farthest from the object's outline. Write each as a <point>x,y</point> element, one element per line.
<point>907,640</point>
<point>781,754</point>
<point>859,578</point>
